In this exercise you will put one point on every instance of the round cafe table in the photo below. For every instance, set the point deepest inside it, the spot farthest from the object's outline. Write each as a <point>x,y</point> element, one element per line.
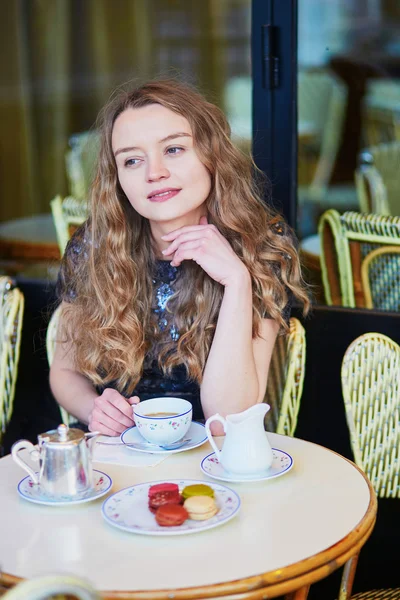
<point>29,238</point>
<point>290,532</point>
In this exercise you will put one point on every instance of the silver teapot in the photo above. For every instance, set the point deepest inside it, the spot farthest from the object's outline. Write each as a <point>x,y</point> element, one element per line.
<point>65,461</point>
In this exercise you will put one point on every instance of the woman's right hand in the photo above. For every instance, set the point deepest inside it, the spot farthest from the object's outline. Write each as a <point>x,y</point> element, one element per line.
<point>112,413</point>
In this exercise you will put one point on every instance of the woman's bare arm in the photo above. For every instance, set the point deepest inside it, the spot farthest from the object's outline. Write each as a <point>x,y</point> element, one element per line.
<point>236,371</point>
<point>109,412</point>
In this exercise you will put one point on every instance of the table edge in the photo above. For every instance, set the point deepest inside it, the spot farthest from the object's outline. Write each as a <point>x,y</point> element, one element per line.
<point>22,249</point>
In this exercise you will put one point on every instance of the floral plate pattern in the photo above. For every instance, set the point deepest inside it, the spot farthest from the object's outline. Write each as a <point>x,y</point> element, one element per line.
<point>196,433</point>
<point>128,510</point>
<point>29,490</point>
<point>281,464</point>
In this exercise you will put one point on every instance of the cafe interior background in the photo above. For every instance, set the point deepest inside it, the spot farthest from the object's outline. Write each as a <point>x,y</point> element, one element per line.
<point>61,59</point>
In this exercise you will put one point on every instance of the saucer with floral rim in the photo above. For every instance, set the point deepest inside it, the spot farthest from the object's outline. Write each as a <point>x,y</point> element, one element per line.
<point>281,464</point>
<point>133,440</point>
<point>31,491</point>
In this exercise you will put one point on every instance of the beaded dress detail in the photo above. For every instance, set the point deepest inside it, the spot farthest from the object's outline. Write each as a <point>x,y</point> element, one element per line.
<point>154,383</point>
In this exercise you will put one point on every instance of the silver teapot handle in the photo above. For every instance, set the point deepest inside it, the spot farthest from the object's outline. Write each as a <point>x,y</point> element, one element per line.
<point>33,452</point>
<point>91,439</point>
<point>92,434</point>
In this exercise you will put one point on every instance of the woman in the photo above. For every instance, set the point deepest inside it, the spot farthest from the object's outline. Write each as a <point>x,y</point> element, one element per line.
<point>181,279</point>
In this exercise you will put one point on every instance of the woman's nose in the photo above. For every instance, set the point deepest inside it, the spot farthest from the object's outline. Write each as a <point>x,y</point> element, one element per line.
<point>156,170</point>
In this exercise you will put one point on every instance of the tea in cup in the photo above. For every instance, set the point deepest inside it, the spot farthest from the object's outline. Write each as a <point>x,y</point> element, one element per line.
<point>163,421</point>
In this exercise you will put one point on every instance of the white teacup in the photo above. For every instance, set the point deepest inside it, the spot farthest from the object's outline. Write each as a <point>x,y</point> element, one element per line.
<point>163,421</point>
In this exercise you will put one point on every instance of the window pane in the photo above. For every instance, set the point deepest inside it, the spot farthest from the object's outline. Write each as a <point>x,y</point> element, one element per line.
<point>348,103</point>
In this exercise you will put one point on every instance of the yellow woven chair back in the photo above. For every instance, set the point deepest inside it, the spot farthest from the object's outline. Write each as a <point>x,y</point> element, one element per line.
<point>322,104</point>
<point>346,241</point>
<point>61,587</point>
<point>11,314</point>
<point>68,214</point>
<point>285,380</point>
<point>386,160</point>
<point>371,393</point>
<point>380,275</point>
<point>80,162</point>
<point>51,339</point>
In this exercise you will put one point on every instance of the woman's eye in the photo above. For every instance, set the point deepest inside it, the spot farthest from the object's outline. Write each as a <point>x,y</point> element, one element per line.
<point>174,150</point>
<point>132,162</point>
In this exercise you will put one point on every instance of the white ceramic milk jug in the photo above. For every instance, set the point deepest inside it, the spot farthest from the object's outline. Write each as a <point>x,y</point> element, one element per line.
<point>246,448</point>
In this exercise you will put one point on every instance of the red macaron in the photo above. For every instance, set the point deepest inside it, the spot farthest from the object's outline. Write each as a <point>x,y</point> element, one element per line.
<point>162,494</point>
<point>171,515</point>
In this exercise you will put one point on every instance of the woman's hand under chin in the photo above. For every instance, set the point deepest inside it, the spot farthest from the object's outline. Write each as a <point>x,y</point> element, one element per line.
<point>205,245</point>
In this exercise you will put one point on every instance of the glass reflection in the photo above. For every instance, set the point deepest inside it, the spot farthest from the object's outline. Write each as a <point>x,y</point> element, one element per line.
<point>349,149</point>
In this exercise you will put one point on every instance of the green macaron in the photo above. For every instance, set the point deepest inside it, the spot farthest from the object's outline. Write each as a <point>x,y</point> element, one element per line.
<point>197,489</point>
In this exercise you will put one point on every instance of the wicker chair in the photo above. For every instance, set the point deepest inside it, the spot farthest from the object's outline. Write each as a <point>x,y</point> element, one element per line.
<point>68,214</point>
<point>285,380</point>
<point>51,338</point>
<point>11,313</point>
<point>346,241</point>
<point>322,103</point>
<point>380,276</point>
<point>80,162</point>
<point>371,392</point>
<point>381,111</point>
<point>63,587</point>
<point>377,179</point>
<point>389,594</point>
<point>371,190</point>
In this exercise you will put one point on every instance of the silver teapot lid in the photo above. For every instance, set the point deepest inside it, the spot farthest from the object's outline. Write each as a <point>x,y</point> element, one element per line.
<point>62,435</point>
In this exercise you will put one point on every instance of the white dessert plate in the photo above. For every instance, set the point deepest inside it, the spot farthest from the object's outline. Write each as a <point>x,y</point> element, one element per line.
<point>129,510</point>
<point>196,434</point>
<point>29,490</point>
<point>281,464</point>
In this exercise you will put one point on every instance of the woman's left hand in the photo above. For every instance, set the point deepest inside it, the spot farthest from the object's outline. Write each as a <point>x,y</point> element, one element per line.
<point>205,245</point>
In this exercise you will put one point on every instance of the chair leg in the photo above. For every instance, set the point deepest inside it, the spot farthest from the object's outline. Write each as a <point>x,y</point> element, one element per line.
<point>300,594</point>
<point>349,572</point>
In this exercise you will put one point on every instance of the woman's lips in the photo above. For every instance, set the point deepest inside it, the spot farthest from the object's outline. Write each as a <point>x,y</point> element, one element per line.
<point>163,196</point>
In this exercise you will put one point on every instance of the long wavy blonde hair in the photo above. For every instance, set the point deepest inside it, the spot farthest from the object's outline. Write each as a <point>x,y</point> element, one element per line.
<point>111,322</point>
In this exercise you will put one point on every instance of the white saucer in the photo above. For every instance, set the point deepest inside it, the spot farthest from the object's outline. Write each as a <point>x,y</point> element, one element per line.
<point>196,433</point>
<point>31,491</point>
<point>129,510</point>
<point>281,464</point>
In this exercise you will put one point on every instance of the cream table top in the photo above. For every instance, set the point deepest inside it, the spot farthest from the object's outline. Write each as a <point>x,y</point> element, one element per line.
<point>283,522</point>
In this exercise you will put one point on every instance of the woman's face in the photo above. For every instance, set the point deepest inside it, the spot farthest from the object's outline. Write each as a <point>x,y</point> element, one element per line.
<point>158,168</point>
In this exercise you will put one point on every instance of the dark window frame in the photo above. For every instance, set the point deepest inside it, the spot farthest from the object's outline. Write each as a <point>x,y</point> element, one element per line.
<point>275,110</point>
